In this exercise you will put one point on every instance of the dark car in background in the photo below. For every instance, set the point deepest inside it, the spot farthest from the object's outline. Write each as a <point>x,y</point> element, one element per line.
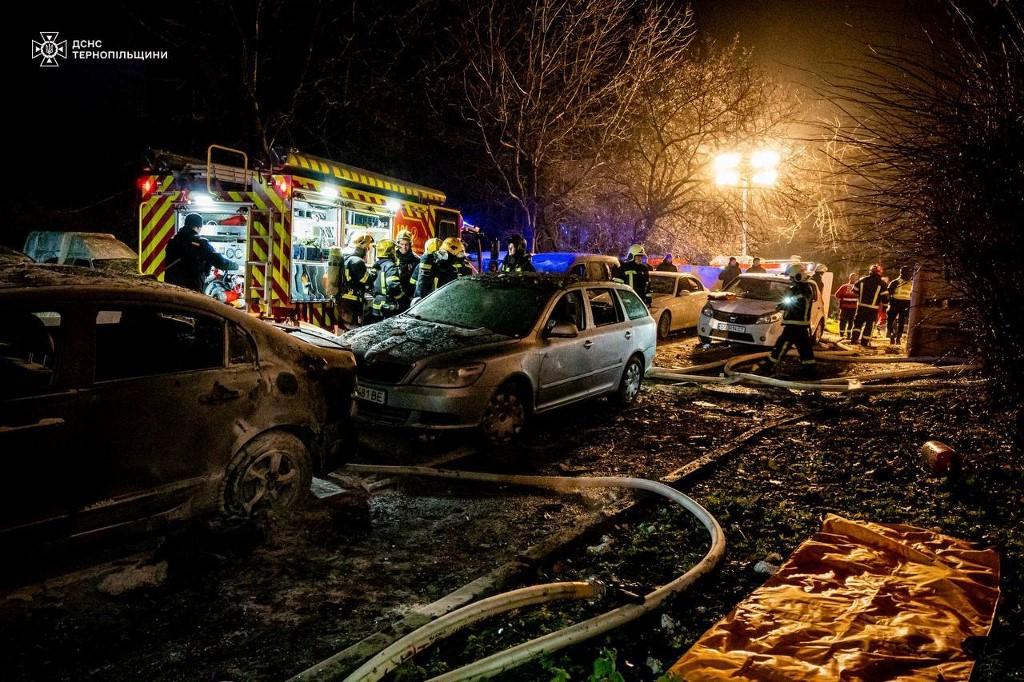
<point>124,400</point>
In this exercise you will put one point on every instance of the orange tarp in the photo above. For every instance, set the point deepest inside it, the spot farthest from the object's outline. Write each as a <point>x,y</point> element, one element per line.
<point>857,601</point>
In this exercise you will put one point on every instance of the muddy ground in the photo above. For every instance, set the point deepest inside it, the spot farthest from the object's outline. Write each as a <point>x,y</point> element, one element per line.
<point>263,602</point>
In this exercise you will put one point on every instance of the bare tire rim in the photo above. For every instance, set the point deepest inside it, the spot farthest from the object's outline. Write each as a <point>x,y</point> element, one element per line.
<point>504,417</point>
<point>631,381</point>
<point>270,481</point>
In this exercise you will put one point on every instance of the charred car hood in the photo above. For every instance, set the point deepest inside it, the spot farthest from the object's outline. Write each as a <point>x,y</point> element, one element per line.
<point>745,306</point>
<point>407,340</point>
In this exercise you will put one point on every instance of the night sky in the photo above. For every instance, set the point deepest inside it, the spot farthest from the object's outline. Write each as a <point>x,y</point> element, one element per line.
<point>79,131</point>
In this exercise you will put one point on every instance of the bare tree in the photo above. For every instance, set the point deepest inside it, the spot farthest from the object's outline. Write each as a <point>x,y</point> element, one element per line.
<point>550,84</point>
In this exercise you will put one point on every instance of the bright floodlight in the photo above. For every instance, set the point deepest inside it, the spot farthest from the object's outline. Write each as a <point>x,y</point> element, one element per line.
<point>765,163</point>
<point>727,168</point>
<point>204,200</point>
<point>329,191</point>
<point>393,205</point>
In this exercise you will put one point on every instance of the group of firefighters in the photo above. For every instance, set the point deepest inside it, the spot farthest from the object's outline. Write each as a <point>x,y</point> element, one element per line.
<point>863,301</point>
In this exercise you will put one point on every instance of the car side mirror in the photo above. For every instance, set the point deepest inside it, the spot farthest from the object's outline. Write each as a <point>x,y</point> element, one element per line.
<point>562,330</point>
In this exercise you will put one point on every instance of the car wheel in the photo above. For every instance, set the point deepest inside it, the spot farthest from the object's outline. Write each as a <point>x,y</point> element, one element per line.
<point>819,331</point>
<point>703,340</point>
<point>505,415</point>
<point>664,325</point>
<point>272,472</point>
<point>629,385</point>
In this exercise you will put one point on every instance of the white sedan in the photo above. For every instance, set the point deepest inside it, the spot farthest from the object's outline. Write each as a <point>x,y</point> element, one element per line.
<point>676,301</point>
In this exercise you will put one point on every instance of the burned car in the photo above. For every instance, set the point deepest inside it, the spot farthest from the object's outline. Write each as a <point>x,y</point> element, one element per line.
<point>490,350</point>
<point>124,400</point>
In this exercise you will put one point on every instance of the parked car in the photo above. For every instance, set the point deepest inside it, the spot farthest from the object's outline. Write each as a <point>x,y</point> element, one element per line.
<point>589,266</point>
<point>94,250</point>
<point>747,311</point>
<point>676,301</point>
<point>9,255</point>
<point>489,351</point>
<point>124,400</point>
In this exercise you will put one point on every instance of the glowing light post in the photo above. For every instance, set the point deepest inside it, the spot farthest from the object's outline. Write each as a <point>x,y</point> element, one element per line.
<point>761,170</point>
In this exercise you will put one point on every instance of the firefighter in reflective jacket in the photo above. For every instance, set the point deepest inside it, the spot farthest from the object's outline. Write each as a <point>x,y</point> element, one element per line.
<point>443,266</point>
<point>425,267</point>
<point>517,260</point>
<point>871,295</point>
<point>355,277</point>
<point>635,273</point>
<point>407,262</point>
<point>899,292</point>
<point>796,323</point>
<point>388,294</point>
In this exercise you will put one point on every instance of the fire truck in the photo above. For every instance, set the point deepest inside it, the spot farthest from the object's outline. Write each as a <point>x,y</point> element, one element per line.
<point>277,224</point>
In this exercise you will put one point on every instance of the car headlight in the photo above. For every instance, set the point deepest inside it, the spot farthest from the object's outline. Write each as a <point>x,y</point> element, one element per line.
<point>769,318</point>
<point>450,377</point>
<point>707,310</point>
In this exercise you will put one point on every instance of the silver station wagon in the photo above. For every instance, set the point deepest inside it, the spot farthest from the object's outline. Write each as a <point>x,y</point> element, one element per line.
<point>489,351</point>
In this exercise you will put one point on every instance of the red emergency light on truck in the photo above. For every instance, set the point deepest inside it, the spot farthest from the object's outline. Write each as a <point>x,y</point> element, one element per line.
<point>278,224</point>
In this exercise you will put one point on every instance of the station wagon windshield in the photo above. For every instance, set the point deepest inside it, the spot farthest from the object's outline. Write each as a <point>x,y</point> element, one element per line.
<point>476,303</point>
<point>758,289</point>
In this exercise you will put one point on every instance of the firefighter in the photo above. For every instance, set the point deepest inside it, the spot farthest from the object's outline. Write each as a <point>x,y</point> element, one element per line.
<point>425,269</point>
<point>635,273</point>
<point>871,295</point>
<point>388,293</point>
<point>899,304</point>
<point>796,324</point>
<point>407,262</point>
<point>190,256</point>
<point>355,278</point>
<point>847,298</point>
<point>517,259</point>
<point>666,264</point>
<point>450,262</point>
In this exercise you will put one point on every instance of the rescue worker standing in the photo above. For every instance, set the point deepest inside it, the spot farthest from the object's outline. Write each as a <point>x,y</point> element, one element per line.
<point>190,257</point>
<point>796,324</point>
<point>424,268</point>
<point>355,278</point>
<point>635,273</point>
<point>445,264</point>
<point>899,292</point>
<point>517,258</point>
<point>871,295</point>
<point>755,266</point>
<point>729,273</point>
<point>388,293</point>
<point>847,298</point>
<point>407,262</point>
<point>666,265</point>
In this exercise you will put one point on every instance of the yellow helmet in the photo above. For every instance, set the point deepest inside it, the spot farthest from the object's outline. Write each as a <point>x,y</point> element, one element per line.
<point>404,234</point>
<point>453,245</point>
<point>432,245</point>
<point>360,240</point>
<point>385,249</point>
<point>637,250</point>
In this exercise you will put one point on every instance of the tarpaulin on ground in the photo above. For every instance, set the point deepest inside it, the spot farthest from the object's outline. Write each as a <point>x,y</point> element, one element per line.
<point>858,601</point>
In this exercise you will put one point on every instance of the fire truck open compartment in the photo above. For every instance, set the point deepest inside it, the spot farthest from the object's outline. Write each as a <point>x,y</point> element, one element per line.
<point>315,229</point>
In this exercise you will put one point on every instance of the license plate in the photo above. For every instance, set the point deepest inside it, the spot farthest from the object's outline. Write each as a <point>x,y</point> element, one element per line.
<point>732,327</point>
<point>374,395</point>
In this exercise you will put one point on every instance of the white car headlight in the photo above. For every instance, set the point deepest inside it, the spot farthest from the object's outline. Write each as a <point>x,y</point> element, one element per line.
<point>450,377</point>
<point>769,318</point>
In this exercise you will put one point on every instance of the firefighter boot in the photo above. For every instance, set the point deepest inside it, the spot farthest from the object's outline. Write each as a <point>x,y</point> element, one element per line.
<point>855,336</point>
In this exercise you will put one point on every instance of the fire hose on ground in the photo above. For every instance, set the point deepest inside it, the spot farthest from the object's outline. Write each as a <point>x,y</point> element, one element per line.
<point>394,655</point>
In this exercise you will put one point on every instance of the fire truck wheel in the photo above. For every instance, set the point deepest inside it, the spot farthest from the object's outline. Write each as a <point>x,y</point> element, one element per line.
<point>272,472</point>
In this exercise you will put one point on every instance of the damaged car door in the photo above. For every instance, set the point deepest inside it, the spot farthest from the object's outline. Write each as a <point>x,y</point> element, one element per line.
<point>169,386</point>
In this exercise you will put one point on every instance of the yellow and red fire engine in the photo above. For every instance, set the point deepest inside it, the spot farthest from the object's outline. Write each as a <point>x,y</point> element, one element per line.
<point>278,224</point>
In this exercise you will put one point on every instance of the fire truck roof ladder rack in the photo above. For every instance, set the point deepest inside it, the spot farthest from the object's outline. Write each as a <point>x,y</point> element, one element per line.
<point>227,173</point>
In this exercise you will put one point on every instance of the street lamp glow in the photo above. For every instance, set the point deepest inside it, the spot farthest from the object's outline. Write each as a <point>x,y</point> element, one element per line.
<point>727,168</point>
<point>765,163</point>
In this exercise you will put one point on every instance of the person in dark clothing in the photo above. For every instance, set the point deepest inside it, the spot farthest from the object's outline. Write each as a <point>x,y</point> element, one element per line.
<point>444,265</point>
<point>407,262</point>
<point>755,266</point>
<point>871,295</point>
<point>899,291</point>
<point>666,265</point>
<point>355,278</point>
<point>729,273</point>
<point>847,298</point>
<point>190,257</point>
<point>635,273</point>
<point>796,324</point>
<point>388,293</point>
<point>517,259</point>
